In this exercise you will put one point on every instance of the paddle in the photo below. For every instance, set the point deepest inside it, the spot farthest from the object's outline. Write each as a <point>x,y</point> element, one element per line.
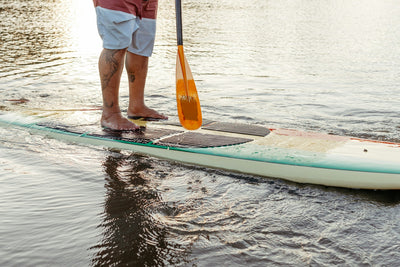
<point>188,102</point>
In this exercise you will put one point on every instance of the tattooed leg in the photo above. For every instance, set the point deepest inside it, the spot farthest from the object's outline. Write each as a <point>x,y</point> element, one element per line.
<point>136,67</point>
<point>111,63</point>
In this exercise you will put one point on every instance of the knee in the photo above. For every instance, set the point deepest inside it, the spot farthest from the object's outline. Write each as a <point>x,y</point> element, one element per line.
<point>135,63</point>
<point>112,54</point>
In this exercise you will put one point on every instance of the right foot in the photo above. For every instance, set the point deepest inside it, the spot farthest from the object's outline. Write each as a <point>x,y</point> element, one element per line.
<point>116,122</point>
<point>146,112</point>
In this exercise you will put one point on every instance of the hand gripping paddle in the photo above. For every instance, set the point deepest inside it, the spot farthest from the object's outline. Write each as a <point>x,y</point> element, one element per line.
<point>188,103</point>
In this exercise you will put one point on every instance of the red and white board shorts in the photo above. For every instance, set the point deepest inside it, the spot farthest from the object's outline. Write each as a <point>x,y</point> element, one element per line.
<point>120,30</point>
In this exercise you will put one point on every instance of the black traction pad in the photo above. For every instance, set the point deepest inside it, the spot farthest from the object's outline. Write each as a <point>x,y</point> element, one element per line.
<point>228,127</point>
<point>239,128</point>
<point>168,137</point>
<point>142,136</point>
<point>177,123</point>
<point>194,139</point>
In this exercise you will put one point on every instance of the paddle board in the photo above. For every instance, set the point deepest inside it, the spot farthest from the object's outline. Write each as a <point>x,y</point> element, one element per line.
<point>297,156</point>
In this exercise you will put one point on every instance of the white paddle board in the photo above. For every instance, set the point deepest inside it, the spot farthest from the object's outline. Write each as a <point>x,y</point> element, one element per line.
<point>292,155</point>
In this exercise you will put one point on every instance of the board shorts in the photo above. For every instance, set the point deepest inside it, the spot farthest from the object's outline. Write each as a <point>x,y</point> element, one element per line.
<point>121,30</point>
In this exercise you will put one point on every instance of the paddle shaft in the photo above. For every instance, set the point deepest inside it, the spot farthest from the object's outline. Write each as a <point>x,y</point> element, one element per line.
<point>179,38</point>
<point>178,8</point>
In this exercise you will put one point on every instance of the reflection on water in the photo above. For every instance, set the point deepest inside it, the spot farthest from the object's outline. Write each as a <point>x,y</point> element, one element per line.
<point>132,236</point>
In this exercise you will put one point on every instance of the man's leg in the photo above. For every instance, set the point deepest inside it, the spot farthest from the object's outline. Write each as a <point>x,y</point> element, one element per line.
<point>136,67</point>
<point>111,64</point>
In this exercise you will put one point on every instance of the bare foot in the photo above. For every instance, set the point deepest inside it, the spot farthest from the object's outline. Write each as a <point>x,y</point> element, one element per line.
<point>115,121</point>
<point>146,112</point>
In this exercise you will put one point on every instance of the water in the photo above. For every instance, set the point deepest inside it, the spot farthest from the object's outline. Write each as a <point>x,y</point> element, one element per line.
<point>328,66</point>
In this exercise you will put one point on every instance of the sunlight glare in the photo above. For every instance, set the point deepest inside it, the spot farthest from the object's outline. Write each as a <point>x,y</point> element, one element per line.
<point>83,28</point>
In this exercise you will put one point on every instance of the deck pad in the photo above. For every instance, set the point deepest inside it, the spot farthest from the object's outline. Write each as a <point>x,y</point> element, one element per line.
<point>195,139</point>
<point>239,128</point>
<point>229,127</point>
<point>143,136</point>
<point>155,135</point>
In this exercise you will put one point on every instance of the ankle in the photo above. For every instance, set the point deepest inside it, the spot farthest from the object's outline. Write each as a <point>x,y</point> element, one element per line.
<point>109,113</point>
<point>137,108</point>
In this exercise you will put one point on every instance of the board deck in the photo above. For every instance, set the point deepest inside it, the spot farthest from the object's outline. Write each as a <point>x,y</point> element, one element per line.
<point>297,156</point>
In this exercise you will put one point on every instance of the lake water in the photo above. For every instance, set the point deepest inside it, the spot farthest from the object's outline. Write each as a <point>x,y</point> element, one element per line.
<point>329,66</point>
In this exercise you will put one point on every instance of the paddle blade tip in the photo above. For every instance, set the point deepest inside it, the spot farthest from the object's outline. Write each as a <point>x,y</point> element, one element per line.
<point>189,112</point>
<point>189,108</point>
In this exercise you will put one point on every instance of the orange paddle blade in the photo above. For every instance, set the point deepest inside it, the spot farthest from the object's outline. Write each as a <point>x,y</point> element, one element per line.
<point>188,103</point>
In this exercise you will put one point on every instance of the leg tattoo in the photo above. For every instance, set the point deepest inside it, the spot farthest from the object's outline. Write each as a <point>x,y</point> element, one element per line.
<point>132,77</point>
<point>108,56</point>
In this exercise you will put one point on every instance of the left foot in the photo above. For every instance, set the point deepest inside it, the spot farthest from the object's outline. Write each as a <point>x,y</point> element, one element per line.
<point>146,112</point>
